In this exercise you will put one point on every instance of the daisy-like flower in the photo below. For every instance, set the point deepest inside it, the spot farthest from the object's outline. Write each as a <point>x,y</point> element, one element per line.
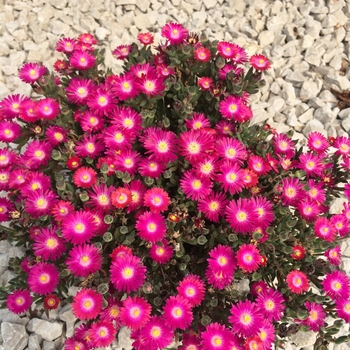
<point>215,337</point>
<point>135,313</point>
<point>145,38</point>
<point>316,316</point>
<point>48,244</point>
<point>156,334</point>
<point>75,344</point>
<point>292,191</point>
<point>5,208</point>
<point>241,215</point>
<point>297,282</point>
<point>202,54</point>
<point>120,251</point>
<point>121,197</point>
<point>194,144</point>
<point>56,135</point>
<point>311,163</point>
<point>192,288</point>
<point>270,304</point>
<point>125,86</point>
<point>258,287</point>
<point>151,226</point>
<point>258,164</point>
<point>66,45</point>
<point>85,177</point>
<point>213,206</point>
<point>122,51</point>
<point>7,158</point>
<point>51,302</point>
<point>195,187</point>
<point>83,333</point>
<point>231,51</point>
<point>317,142</point>
<point>205,83</point>
<point>138,70</point>
<point>156,199</point>
<point>101,101</point>
<point>43,278</point>
<point>5,179</point>
<point>151,167</point>
<point>40,203</point>
<point>308,209</point>
<point>82,60</point>
<point>37,154</point>
<point>160,144</point>
<point>342,307</point>
<point>89,146</point>
<point>283,145</point>
<point>87,38</point>
<point>264,209</point>
<point>150,84</point>
<point>102,333</point>
<point>78,90</point>
<point>9,131</point>
<point>266,334</point>
<point>198,121</point>
<point>112,311</point>
<point>78,227</point>
<point>175,33</point>
<point>231,177</point>
<point>165,70</point>
<point>231,149</point>
<point>128,161</point>
<point>128,273</point>
<point>248,257</point>
<point>207,167</point>
<point>315,191</point>
<point>324,229</point>
<point>177,312</point>
<point>245,318</point>
<point>337,285</point>
<point>237,71</point>
<point>218,279</point>
<point>48,108</point>
<point>260,62</point>
<point>17,177</point>
<point>100,198</point>
<point>231,107</point>
<point>298,252</point>
<point>190,341</point>
<point>61,209</point>
<point>28,111</point>
<point>137,190</point>
<point>84,259</point>
<point>342,144</point>
<point>73,163</point>
<point>117,138</point>
<point>222,260</point>
<point>128,119</point>
<point>10,105</point>
<point>35,181</point>
<point>32,72</point>
<point>87,304</point>
<point>91,122</point>
<point>161,252</point>
<point>346,211</point>
<point>109,161</point>
<point>333,255</point>
<point>19,301</point>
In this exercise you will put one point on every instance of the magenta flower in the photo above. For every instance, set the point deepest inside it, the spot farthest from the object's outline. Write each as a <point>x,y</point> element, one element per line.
<point>343,309</point>
<point>215,337</point>
<point>161,252</point>
<point>197,122</point>
<point>316,316</point>
<point>82,60</point>
<point>89,146</point>
<point>248,257</point>
<point>333,255</point>
<point>48,108</point>
<point>135,312</point>
<point>156,199</point>
<point>102,333</point>
<point>31,72</point>
<point>128,273</point>
<point>317,142</point>
<point>84,177</point>
<point>231,177</point>
<point>5,208</point>
<point>175,33</point>
<point>151,167</point>
<point>202,54</point>
<point>87,304</point>
<point>324,229</point>
<point>43,278</point>
<point>336,285</point>
<point>56,135</point>
<point>19,301</point>
<point>297,282</point>
<point>150,84</point>
<point>100,198</point>
<point>213,207</point>
<point>126,87</point>
<point>231,149</point>
<point>342,144</point>
<point>222,260</point>
<point>79,90</point>
<point>40,202</point>
<point>284,145</point>
<point>10,105</point>
<point>292,191</point>
<point>260,62</point>
<point>9,131</point>
<point>151,226</point>
<point>231,107</point>
<point>194,186</point>
<point>66,45</point>
<point>122,51</point>
<point>37,154</point>
<point>101,101</point>
<point>270,303</point>
<point>177,312</point>
<point>192,288</point>
<point>231,51</point>
<point>127,161</point>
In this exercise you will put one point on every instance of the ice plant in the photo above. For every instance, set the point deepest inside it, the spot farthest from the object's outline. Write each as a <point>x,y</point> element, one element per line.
<point>151,197</point>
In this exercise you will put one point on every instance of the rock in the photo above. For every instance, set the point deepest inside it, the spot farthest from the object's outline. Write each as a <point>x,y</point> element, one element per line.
<point>10,317</point>
<point>66,315</point>
<point>313,125</point>
<point>295,77</point>
<point>344,113</point>
<point>124,340</point>
<point>58,27</point>
<point>34,342</point>
<point>324,115</point>
<point>276,104</point>
<point>48,345</point>
<point>59,4</point>
<point>209,4</point>
<point>288,94</point>
<point>14,336</point>
<point>309,89</point>
<point>306,116</point>
<point>47,330</point>
<point>302,339</point>
<point>340,81</point>
<point>46,13</point>
<point>143,5</point>
<point>313,56</point>
<point>346,124</point>
<point>102,33</point>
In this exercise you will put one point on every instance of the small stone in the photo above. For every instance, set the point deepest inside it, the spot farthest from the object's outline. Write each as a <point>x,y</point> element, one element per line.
<point>302,339</point>
<point>276,104</point>
<point>346,124</point>
<point>145,21</point>
<point>328,98</point>
<point>313,56</point>
<point>46,13</point>
<point>265,38</point>
<point>14,336</point>
<point>307,41</point>
<point>313,125</point>
<point>209,4</point>
<point>324,115</point>
<point>143,5</point>
<point>340,34</point>
<point>59,4</point>
<point>309,90</point>
<point>102,33</point>
<point>48,345</point>
<point>10,317</point>
<point>48,330</point>
<point>188,8</point>
<point>344,113</point>
<point>34,56</point>
<point>124,340</point>
<point>58,27</point>
<point>288,94</point>
<point>301,108</point>
<point>329,21</point>
<point>295,77</point>
<point>34,342</point>
<point>342,82</point>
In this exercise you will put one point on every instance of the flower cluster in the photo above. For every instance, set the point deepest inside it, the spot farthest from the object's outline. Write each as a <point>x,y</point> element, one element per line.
<point>151,193</point>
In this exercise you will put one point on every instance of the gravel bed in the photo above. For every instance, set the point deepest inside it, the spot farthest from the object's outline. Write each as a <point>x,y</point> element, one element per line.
<point>307,41</point>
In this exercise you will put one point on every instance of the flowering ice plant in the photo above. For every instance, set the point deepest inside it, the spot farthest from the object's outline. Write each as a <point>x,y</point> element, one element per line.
<point>151,193</point>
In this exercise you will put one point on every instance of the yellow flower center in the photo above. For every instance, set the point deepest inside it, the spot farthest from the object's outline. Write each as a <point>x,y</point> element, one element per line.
<point>51,243</point>
<point>156,332</point>
<point>127,272</point>
<point>193,147</point>
<point>241,216</point>
<point>213,206</point>
<point>41,203</point>
<point>80,228</point>
<point>196,184</point>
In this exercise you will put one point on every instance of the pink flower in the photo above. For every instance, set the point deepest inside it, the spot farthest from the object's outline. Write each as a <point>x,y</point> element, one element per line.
<point>61,209</point>
<point>43,278</point>
<point>241,215</point>
<point>19,301</point>
<point>231,107</point>
<point>317,142</point>
<point>48,108</point>
<point>87,38</point>
<point>85,177</point>
<point>135,313</point>
<point>316,316</point>
<point>79,90</point>
<point>31,72</point>
<point>101,101</point>
<point>56,135</point>
<point>259,62</point>
<point>9,131</point>
<point>342,307</point>
<point>284,145</point>
<point>161,252</point>
<point>213,207</point>
<point>102,333</point>
<point>190,342</point>
<point>127,161</point>
<point>137,190</point>
<point>202,54</point>
<point>177,312</point>
<point>156,199</point>
<point>37,154</point>
<point>10,105</point>
<point>150,84</point>
<point>222,260</point>
<point>120,251</point>
<point>87,304</point>
<point>231,149</point>
<point>151,167</point>
<point>28,111</point>
<point>145,38</point>
<point>195,187</point>
<point>5,208</point>
<point>266,334</point>
<point>126,86</point>
<point>231,177</point>
<point>82,60</point>
<point>292,191</point>
<point>297,282</point>
<point>121,197</point>
<point>245,318</point>
<point>333,255</point>
<point>258,164</point>
<point>192,288</point>
<point>336,285</point>
<point>127,273</point>
<point>205,83</point>
<point>232,51</point>
<point>270,302</point>
<point>89,146</point>
<point>66,45</point>
<point>324,229</point>
<point>122,51</point>
<point>215,337</point>
<point>40,202</point>
<point>151,226</point>
<point>248,257</point>
<point>309,209</point>
<point>175,33</point>
<point>91,122</point>
<point>78,227</point>
<point>100,198</point>
<point>264,209</point>
<point>83,260</point>
<point>342,144</point>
